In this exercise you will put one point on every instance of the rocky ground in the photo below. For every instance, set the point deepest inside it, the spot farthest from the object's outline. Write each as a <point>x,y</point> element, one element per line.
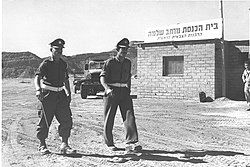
<point>172,132</point>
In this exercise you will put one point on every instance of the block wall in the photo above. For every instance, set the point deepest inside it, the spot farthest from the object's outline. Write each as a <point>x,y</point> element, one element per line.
<point>199,71</point>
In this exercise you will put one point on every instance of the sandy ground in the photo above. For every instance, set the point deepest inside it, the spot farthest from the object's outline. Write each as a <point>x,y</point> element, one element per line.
<point>172,132</point>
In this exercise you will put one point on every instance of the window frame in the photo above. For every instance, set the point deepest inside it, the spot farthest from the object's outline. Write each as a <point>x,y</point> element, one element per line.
<point>165,64</point>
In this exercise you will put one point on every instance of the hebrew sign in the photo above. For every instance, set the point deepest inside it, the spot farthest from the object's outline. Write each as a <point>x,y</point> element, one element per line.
<point>209,29</point>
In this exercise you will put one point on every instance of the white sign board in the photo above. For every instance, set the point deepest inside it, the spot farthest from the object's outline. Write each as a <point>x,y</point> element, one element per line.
<point>208,29</point>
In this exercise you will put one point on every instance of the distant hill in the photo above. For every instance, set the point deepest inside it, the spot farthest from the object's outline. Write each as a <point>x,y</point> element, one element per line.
<point>24,64</point>
<point>19,64</point>
<point>77,62</point>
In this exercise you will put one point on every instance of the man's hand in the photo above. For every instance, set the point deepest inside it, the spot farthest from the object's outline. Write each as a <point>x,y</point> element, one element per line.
<point>69,98</point>
<point>109,92</point>
<point>39,95</point>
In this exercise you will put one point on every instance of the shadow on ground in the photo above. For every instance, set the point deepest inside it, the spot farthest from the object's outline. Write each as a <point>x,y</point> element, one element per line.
<point>191,156</point>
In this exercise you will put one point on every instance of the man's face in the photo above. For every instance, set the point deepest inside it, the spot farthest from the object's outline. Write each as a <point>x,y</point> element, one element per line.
<point>123,51</point>
<point>56,53</point>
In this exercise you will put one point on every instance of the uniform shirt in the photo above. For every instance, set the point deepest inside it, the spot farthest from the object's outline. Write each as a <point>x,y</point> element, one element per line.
<point>115,71</point>
<point>53,73</point>
<point>245,76</point>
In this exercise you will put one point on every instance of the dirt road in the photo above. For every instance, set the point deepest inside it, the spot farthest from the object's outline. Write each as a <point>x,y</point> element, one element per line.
<point>172,132</point>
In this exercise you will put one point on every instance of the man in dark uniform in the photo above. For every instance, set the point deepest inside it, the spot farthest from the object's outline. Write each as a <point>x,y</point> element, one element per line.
<point>116,80</point>
<point>53,91</point>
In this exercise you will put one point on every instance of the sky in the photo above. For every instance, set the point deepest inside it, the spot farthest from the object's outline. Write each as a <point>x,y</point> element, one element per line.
<point>92,26</point>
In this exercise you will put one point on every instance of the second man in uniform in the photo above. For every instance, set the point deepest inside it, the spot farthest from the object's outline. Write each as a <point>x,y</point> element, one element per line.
<point>116,80</point>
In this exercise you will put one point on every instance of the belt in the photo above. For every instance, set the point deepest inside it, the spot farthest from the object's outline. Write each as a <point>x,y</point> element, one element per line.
<point>120,85</point>
<point>55,89</point>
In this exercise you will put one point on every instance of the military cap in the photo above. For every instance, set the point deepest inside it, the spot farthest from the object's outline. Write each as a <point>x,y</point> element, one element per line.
<point>58,43</point>
<point>124,43</point>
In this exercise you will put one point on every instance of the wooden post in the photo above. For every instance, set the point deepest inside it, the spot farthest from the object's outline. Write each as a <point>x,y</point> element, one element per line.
<point>223,55</point>
<point>249,33</point>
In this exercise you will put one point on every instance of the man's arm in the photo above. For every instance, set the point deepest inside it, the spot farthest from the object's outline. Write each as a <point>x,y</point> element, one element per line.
<point>243,77</point>
<point>67,86</point>
<point>130,75</point>
<point>37,82</point>
<point>105,85</point>
<point>129,83</point>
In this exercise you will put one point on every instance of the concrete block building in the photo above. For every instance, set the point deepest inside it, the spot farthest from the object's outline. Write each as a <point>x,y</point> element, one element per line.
<point>181,69</point>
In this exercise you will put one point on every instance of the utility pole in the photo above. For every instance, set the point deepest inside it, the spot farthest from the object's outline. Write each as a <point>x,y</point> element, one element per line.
<point>249,33</point>
<point>223,53</point>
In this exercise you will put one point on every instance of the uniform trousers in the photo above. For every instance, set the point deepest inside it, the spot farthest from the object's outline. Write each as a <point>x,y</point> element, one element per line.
<point>54,104</point>
<point>247,92</point>
<point>120,97</point>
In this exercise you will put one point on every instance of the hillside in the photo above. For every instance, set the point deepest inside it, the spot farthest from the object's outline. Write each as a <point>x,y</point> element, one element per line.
<point>19,64</point>
<point>24,64</point>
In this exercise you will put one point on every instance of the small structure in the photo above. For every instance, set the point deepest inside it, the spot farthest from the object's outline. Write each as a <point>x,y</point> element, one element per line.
<point>180,61</point>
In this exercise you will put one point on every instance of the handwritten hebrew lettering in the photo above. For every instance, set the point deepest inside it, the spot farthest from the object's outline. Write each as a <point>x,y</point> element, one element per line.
<point>175,31</point>
<point>196,28</point>
<point>200,28</point>
<point>215,25</point>
<point>192,28</point>
<point>207,26</point>
<point>194,34</point>
<point>209,29</point>
<point>160,32</point>
<point>150,34</point>
<point>212,25</point>
<point>184,29</point>
<point>167,32</point>
<point>155,33</point>
<point>179,36</point>
<point>163,38</point>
